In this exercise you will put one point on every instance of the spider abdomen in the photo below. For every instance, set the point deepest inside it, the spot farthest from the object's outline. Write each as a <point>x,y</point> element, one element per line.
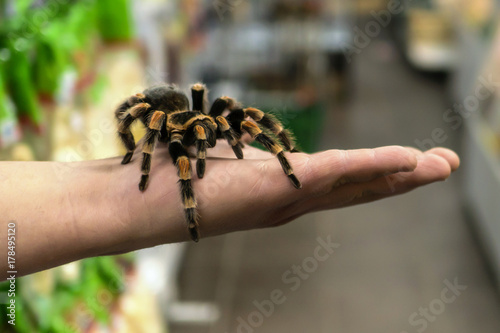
<point>166,98</point>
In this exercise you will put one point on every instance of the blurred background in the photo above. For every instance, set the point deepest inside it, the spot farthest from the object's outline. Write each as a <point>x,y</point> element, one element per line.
<point>342,74</point>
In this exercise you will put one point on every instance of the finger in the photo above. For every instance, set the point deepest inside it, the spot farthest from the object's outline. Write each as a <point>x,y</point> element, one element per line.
<point>366,164</point>
<point>448,155</point>
<point>431,168</point>
<point>334,168</point>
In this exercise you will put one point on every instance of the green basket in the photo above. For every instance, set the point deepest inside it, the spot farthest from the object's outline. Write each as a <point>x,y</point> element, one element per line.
<point>305,123</point>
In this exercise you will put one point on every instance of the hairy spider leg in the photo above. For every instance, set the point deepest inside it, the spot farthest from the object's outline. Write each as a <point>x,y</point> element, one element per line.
<point>181,160</point>
<point>226,128</point>
<point>272,123</point>
<point>221,104</point>
<point>125,120</point>
<point>229,134</point>
<point>131,101</point>
<point>151,137</point>
<point>199,96</point>
<point>269,121</point>
<point>256,132</point>
<point>200,133</point>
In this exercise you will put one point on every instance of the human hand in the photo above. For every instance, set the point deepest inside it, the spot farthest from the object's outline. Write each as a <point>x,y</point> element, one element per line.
<point>75,210</point>
<point>254,192</point>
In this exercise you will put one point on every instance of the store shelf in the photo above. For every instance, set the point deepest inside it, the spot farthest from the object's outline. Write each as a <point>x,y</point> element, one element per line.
<point>474,42</point>
<point>475,24</point>
<point>482,184</point>
<point>426,35</point>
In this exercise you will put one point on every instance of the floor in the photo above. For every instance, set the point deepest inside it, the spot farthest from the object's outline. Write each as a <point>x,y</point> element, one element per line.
<point>406,264</point>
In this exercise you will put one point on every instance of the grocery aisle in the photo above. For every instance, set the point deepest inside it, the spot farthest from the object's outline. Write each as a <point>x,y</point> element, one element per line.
<point>406,264</point>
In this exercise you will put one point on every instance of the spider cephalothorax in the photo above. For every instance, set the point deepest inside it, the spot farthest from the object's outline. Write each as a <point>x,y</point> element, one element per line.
<point>165,112</point>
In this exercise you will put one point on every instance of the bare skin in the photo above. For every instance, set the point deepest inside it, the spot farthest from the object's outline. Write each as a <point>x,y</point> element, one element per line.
<point>68,211</point>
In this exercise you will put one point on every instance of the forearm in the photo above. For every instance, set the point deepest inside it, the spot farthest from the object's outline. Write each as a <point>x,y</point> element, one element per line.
<point>68,211</point>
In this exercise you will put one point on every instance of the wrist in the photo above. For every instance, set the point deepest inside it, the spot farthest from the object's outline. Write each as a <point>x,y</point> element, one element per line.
<point>139,219</point>
<point>97,206</point>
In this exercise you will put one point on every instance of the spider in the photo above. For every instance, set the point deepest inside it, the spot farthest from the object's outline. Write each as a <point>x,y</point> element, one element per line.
<point>164,111</point>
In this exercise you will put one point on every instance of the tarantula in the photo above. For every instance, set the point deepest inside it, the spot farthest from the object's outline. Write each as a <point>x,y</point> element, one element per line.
<point>164,110</point>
